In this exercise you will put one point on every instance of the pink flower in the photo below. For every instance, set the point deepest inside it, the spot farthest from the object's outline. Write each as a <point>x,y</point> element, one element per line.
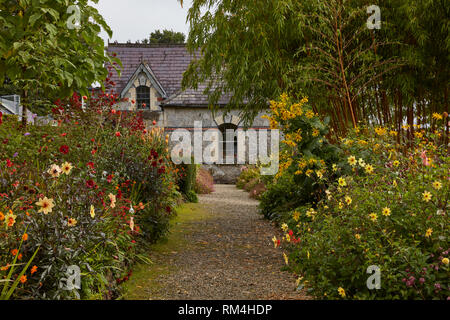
<point>423,155</point>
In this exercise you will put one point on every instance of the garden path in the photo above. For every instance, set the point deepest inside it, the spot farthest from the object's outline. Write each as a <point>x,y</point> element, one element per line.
<point>220,248</point>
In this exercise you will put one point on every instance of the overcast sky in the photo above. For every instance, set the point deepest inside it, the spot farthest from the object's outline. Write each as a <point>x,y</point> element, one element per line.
<point>136,19</point>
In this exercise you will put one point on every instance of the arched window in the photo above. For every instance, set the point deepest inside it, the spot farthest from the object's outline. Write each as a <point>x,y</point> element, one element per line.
<point>143,97</point>
<point>228,143</point>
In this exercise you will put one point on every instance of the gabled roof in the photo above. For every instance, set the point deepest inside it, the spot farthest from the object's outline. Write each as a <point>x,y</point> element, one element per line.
<point>192,97</point>
<point>144,67</point>
<point>166,64</point>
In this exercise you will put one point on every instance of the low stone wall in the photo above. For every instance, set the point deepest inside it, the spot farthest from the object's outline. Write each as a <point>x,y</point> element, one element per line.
<point>224,173</point>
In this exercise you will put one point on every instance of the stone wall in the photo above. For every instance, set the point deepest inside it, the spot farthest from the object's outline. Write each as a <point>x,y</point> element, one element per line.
<point>141,80</point>
<point>184,117</point>
<point>224,173</point>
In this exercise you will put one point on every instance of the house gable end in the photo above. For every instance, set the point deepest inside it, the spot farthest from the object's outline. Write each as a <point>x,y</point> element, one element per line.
<point>144,68</point>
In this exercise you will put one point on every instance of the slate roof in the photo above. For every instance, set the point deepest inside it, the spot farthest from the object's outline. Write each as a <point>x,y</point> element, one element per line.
<point>168,63</point>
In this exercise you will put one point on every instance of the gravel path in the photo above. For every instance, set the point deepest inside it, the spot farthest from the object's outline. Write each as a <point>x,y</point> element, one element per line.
<point>231,255</point>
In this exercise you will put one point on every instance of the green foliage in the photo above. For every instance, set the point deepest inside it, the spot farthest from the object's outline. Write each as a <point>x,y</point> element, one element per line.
<point>118,193</point>
<point>387,209</point>
<point>247,174</point>
<point>191,196</point>
<point>280,198</point>
<point>166,37</point>
<point>323,49</point>
<point>43,57</point>
<point>305,156</point>
<point>187,181</point>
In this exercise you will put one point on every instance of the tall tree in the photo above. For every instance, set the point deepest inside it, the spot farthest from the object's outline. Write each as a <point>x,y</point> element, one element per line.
<point>324,49</point>
<point>165,36</point>
<point>51,48</point>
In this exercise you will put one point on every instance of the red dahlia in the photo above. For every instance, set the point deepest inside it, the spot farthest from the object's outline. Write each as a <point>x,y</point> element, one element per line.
<point>64,149</point>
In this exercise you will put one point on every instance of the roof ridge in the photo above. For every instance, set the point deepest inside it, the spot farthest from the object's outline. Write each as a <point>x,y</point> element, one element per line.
<point>146,45</point>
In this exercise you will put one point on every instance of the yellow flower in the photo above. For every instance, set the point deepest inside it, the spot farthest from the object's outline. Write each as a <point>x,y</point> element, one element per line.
<point>380,131</point>
<point>341,292</point>
<point>358,236</point>
<point>369,169</point>
<point>92,212</point>
<point>66,168</point>
<point>310,212</point>
<point>319,174</point>
<point>361,163</point>
<point>288,237</point>
<point>284,227</point>
<point>426,196</point>
<point>437,116</point>
<point>445,261</point>
<point>341,205</point>
<point>373,217</point>
<point>10,219</point>
<point>386,212</point>
<point>437,185</point>
<point>418,135</point>
<point>298,281</point>
<point>275,241</point>
<point>309,172</point>
<point>46,205</point>
<point>71,222</point>
<point>396,163</point>
<point>348,200</point>
<point>296,215</point>
<point>428,232</point>
<point>335,168</point>
<point>309,114</point>
<point>315,133</point>
<point>342,182</point>
<point>352,160</point>
<point>54,171</point>
<point>112,198</point>
<point>286,259</point>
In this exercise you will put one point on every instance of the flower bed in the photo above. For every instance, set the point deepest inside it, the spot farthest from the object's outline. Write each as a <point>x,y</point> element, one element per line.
<point>382,205</point>
<point>88,192</point>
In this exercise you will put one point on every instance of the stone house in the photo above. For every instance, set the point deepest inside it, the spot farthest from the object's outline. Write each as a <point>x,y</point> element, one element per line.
<point>151,76</point>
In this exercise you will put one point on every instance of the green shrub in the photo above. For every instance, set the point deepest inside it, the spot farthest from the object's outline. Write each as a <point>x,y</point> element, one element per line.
<point>247,174</point>
<point>305,155</point>
<point>187,180</point>
<point>191,196</point>
<point>93,219</point>
<point>251,184</point>
<point>389,210</point>
<point>258,190</point>
<point>204,183</point>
